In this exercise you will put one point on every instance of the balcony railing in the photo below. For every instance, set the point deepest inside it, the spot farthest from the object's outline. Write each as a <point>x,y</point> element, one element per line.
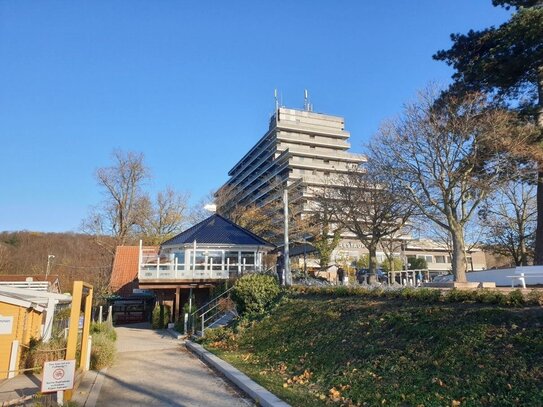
<point>174,271</point>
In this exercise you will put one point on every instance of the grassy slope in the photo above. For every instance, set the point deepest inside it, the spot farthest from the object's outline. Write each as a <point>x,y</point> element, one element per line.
<point>357,351</point>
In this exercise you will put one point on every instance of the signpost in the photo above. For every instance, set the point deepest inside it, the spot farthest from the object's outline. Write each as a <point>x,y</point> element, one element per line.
<point>58,376</point>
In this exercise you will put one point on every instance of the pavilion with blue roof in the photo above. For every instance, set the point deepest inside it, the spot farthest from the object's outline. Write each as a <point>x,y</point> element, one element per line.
<point>214,249</point>
<point>208,253</point>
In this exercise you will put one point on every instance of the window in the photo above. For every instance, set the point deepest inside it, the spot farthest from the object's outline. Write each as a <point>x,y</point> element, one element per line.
<point>327,161</point>
<point>429,259</point>
<point>312,147</point>
<point>214,260</point>
<point>311,136</point>
<point>231,260</point>
<point>247,261</point>
<point>440,259</point>
<point>326,174</point>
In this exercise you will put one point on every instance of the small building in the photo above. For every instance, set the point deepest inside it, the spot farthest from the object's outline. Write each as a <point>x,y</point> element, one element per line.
<point>189,264</point>
<point>24,314</point>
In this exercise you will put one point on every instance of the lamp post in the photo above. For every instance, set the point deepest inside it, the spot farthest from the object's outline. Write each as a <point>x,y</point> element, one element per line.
<point>49,259</point>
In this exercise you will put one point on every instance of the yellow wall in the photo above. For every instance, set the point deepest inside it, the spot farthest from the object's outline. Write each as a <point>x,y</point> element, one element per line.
<point>26,324</point>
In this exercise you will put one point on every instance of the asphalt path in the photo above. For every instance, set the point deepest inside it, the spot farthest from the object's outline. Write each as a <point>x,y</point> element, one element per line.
<point>154,369</point>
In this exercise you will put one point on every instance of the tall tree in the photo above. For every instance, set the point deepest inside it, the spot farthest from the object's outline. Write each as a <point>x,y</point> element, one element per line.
<point>370,205</point>
<point>507,61</point>
<point>509,217</point>
<point>435,152</point>
<point>164,217</point>
<point>124,205</point>
<point>326,232</point>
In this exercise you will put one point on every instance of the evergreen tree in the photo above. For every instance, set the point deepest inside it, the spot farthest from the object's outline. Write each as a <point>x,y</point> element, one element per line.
<point>507,63</point>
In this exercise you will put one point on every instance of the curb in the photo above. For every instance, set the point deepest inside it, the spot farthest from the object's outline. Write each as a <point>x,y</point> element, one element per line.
<point>89,390</point>
<point>258,393</point>
<point>174,333</point>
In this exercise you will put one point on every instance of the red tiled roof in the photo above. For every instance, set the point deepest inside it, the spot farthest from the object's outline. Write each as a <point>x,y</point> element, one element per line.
<point>125,269</point>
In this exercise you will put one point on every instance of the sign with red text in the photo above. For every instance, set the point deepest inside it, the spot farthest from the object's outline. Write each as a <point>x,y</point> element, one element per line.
<point>58,375</point>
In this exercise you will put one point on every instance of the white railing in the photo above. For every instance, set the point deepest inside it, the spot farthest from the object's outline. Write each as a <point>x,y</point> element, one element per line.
<point>173,271</point>
<point>32,285</point>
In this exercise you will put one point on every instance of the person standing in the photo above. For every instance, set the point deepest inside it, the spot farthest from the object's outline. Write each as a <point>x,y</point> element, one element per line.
<point>341,276</point>
<point>280,268</point>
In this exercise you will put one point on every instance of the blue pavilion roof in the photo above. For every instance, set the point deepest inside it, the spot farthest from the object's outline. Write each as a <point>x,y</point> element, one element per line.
<point>217,230</point>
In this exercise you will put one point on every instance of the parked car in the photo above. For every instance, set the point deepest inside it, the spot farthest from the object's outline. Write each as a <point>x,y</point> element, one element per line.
<point>362,276</point>
<point>443,278</point>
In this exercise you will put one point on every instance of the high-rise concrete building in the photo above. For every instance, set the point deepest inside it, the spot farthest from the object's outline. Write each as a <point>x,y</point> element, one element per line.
<point>301,148</point>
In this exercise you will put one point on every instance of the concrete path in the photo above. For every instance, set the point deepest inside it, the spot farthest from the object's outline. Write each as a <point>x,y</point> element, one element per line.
<point>153,369</point>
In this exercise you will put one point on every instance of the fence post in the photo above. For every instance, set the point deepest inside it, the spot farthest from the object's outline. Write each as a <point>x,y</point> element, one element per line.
<point>203,316</point>
<point>100,314</point>
<point>13,359</point>
<point>185,323</point>
<point>110,315</point>
<point>89,350</point>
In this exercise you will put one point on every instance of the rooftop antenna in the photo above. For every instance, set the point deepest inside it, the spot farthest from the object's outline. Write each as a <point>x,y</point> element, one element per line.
<point>276,99</point>
<point>307,106</point>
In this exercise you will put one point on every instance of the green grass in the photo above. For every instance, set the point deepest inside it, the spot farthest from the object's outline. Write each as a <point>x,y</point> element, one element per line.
<point>321,350</point>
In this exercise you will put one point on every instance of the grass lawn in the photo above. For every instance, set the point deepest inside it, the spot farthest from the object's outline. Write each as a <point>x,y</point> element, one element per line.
<point>316,350</point>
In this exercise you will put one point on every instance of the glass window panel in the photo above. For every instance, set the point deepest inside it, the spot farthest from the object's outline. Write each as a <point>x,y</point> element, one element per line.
<point>247,257</point>
<point>231,259</point>
<point>214,259</point>
<point>440,259</point>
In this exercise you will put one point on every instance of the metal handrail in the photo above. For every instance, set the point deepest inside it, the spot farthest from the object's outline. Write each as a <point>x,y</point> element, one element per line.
<point>210,301</point>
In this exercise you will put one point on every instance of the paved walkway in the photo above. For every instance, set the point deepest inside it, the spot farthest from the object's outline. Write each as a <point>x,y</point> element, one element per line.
<point>153,369</point>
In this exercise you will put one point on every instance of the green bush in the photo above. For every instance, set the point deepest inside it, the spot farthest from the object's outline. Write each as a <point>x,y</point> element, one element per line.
<point>103,351</point>
<point>491,297</point>
<point>535,297</point>
<point>103,328</point>
<point>515,298</point>
<point>161,316</point>
<point>254,293</point>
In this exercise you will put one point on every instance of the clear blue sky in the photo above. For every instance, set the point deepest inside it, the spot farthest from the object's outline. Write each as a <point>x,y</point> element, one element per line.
<point>191,84</point>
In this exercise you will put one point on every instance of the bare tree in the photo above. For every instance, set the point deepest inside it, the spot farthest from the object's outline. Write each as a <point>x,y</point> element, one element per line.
<point>442,150</point>
<point>164,217</point>
<point>325,230</point>
<point>124,203</point>
<point>509,216</point>
<point>370,205</point>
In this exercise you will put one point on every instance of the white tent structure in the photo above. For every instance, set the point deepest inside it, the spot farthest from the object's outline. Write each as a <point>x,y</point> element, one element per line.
<point>40,300</point>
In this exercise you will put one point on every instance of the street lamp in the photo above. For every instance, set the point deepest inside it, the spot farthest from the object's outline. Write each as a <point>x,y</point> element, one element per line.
<point>50,257</point>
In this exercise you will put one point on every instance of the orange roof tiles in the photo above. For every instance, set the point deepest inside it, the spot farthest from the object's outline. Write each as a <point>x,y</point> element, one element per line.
<point>125,269</point>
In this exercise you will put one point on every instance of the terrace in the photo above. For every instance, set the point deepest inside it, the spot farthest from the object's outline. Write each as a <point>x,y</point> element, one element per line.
<point>215,249</point>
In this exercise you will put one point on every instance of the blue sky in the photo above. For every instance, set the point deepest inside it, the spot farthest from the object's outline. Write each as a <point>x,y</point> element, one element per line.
<point>191,85</point>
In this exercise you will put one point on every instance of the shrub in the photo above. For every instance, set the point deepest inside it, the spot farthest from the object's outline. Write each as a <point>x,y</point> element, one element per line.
<point>456,295</point>
<point>161,316</point>
<point>491,297</point>
<point>535,297</point>
<point>39,352</point>
<point>254,293</point>
<point>515,298</point>
<point>103,351</point>
<point>103,328</point>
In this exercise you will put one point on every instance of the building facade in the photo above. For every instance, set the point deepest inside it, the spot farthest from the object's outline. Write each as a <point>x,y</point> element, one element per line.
<point>301,149</point>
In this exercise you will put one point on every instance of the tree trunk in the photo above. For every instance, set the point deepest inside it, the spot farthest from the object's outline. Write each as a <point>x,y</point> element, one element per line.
<point>538,256</point>
<point>458,254</point>
<point>372,264</point>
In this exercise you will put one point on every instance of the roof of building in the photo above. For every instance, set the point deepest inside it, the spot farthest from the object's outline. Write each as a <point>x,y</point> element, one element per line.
<point>218,230</point>
<point>125,268</point>
<point>27,277</point>
<point>50,283</point>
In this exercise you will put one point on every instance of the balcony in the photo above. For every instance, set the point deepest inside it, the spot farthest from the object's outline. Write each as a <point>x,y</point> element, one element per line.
<point>177,264</point>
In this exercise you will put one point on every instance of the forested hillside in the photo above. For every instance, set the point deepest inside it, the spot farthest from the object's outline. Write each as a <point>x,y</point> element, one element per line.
<point>77,256</point>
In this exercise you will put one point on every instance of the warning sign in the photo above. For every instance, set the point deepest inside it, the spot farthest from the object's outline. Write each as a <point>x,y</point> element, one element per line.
<point>58,375</point>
